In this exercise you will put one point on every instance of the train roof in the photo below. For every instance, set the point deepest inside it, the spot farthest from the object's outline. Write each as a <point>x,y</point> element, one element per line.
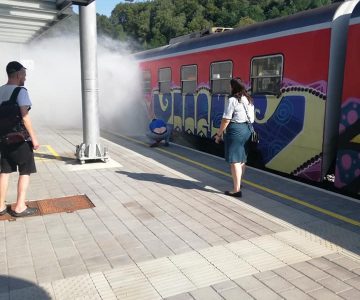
<point>309,20</point>
<point>356,12</point>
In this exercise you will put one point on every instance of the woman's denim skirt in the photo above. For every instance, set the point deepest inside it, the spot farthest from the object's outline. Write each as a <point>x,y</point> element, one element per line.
<point>236,142</point>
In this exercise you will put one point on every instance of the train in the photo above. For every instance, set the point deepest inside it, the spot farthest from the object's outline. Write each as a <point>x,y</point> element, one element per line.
<point>301,72</point>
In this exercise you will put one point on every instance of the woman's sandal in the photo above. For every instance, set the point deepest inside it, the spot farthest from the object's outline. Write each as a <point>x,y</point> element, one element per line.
<point>237,194</point>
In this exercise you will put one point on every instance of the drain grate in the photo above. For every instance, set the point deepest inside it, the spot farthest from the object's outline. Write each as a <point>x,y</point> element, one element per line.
<point>56,205</point>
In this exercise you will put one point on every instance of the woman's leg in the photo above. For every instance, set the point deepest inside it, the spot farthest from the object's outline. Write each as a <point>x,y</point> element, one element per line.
<point>4,180</point>
<point>236,173</point>
<point>243,166</point>
<point>23,184</point>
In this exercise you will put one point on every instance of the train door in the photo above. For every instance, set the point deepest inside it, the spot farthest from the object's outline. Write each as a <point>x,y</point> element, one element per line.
<point>279,116</point>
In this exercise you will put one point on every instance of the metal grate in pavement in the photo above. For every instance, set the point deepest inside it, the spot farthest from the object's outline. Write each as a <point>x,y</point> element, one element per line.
<point>55,205</point>
<point>64,204</point>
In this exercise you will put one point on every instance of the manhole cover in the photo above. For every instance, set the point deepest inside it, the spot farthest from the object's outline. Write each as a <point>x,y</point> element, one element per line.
<point>57,205</point>
<point>65,204</point>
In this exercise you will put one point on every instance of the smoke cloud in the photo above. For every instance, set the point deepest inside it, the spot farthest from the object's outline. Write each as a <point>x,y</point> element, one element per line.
<point>54,84</point>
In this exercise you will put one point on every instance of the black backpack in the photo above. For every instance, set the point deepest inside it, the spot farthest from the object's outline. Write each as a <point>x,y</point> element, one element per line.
<point>10,115</point>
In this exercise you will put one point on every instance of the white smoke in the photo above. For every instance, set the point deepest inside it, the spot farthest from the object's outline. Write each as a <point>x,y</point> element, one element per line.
<point>54,84</point>
<point>123,107</point>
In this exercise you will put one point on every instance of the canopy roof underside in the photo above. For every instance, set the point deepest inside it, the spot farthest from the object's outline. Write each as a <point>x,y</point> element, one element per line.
<point>23,20</point>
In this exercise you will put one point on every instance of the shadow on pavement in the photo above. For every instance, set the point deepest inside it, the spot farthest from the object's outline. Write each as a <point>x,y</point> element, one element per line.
<point>50,156</point>
<point>159,178</point>
<point>342,233</point>
<point>18,289</point>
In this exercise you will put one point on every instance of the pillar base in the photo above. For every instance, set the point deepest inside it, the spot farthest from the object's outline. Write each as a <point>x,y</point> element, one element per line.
<point>91,152</point>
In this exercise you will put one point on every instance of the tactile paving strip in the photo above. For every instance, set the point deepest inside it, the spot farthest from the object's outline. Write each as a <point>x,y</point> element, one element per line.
<point>173,275</point>
<point>177,274</point>
<point>78,287</point>
<point>56,205</point>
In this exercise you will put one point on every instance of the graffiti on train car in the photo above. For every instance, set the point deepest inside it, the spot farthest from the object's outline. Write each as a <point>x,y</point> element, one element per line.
<point>348,158</point>
<point>286,123</point>
<point>299,90</point>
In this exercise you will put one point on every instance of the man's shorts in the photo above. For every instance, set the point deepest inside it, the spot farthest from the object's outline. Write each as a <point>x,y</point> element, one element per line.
<point>17,157</point>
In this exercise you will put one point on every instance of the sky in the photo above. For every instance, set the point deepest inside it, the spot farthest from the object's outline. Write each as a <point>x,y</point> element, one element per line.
<point>104,7</point>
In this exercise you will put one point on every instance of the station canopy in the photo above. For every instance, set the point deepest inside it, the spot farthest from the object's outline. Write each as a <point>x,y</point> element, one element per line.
<point>23,20</point>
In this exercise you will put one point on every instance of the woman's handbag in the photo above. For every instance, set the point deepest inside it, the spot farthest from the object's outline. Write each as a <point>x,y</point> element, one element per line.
<point>254,138</point>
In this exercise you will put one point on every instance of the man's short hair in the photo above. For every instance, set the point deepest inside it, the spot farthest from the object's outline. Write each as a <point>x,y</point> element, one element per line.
<point>13,67</point>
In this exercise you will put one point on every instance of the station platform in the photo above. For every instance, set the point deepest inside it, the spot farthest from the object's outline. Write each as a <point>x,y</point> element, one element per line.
<point>162,228</point>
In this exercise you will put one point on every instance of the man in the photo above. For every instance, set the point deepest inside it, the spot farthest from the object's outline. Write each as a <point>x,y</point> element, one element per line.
<point>158,131</point>
<point>18,156</point>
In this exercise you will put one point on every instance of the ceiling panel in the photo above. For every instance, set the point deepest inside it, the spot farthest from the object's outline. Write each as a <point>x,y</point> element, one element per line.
<point>22,21</point>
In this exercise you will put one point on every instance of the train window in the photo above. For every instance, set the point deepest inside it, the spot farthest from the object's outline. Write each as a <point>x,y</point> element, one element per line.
<point>164,80</point>
<point>266,74</point>
<point>189,79</point>
<point>221,73</point>
<point>146,82</point>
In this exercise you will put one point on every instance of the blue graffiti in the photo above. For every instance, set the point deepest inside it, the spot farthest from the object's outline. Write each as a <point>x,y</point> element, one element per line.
<point>217,110</point>
<point>167,102</point>
<point>283,126</point>
<point>202,112</point>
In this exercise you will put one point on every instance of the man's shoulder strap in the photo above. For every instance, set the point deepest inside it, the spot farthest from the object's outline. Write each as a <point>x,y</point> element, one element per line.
<point>15,94</point>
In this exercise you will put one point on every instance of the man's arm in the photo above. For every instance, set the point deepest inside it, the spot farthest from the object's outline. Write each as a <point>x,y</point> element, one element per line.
<point>28,125</point>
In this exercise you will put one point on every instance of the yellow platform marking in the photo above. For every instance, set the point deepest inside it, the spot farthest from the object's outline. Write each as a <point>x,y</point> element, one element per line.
<point>260,187</point>
<point>44,151</point>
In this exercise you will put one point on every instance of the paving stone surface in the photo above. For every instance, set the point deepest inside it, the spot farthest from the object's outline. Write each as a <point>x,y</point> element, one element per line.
<point>162,229</point>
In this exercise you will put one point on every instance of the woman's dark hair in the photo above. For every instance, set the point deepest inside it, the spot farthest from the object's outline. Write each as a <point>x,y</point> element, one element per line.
<point>238,89</point>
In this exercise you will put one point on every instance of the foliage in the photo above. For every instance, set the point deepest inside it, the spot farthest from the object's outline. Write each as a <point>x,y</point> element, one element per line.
<point>152,23</point>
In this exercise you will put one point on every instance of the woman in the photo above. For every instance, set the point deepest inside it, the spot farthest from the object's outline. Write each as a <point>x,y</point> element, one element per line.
<point>239,110</point>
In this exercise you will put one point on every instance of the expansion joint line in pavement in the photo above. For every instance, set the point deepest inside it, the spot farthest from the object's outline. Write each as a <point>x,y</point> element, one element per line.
<point>255,185</point>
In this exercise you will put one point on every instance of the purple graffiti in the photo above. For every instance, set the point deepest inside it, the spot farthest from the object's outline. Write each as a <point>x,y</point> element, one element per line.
<point>348,158</point>
<point>320,85</point>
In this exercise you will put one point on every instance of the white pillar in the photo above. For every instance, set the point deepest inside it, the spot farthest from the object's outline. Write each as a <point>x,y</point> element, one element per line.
<point>90,149</point>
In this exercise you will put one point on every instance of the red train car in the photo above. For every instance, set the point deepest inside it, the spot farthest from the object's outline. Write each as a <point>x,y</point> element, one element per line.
<point>293,67</point>
<point>347,175</point>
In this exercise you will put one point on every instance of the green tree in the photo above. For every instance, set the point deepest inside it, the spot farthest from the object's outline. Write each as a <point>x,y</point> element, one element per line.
<point>165,24</point>
<point>104,25</point>
<point>256,12</point>
<point>245,21</point>
<point>154,23</point>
